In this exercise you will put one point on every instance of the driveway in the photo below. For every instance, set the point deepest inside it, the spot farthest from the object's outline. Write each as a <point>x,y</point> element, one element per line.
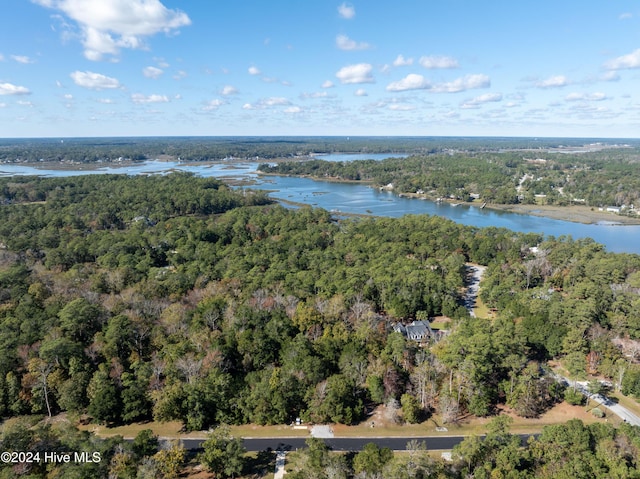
<point>622,412</point>
<point>471,294</point>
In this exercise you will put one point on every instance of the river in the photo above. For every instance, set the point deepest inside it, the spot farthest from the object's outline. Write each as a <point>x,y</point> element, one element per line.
<point>361,199</point>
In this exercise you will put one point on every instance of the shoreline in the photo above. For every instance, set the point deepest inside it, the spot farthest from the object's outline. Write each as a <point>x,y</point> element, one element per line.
<point>574,213</point>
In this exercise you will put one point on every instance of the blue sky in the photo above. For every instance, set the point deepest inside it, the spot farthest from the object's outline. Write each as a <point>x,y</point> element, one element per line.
<point>319,67</point>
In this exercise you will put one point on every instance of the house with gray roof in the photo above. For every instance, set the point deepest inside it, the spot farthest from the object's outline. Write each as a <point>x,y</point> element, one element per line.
<point>416,331</point>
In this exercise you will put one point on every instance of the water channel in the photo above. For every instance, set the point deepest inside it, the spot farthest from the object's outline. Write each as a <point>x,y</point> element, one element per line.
<point>361,199</point>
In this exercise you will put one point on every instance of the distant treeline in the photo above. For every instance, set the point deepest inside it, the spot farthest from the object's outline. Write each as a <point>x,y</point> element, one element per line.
<point>90,150</point>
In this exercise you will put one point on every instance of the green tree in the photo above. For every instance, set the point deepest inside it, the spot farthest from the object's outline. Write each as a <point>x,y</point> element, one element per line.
<point>72,393</point>
<point>104,401</point>
<point>335,400</point>
<point>80,319</point>
<point>170,460</point>
<point>371,459</point>
<point>145,443</point>
<point>410,408</point>
<point>136,404</point>
<point>223,454</point>
<point>573,396</point>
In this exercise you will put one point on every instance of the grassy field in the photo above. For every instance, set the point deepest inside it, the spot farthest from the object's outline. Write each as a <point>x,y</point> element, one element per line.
<point>482,310</point>
<point>174,429</point>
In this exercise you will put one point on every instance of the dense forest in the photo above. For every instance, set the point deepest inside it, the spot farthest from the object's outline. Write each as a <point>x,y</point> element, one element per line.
<point>606,177</point>
<point>127,299</point>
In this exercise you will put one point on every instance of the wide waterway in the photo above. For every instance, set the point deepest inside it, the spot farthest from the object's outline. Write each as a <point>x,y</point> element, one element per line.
<point>362,199</point>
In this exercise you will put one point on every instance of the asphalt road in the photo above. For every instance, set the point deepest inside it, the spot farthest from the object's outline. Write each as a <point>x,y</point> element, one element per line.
<point>344,443</point>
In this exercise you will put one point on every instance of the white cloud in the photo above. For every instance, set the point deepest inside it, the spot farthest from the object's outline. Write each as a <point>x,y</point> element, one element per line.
<point>479,100</point>
<point>293,109</point>
<point>180,74</point>
<point>266,103</point>
<point>361,92</point>
<point>401,61</point>
<point>433,62</point>
<point>625,16</point>
<point>401,107</point>
<point>488,97</point>
<point>610,76</point>
<point>412,81</point>
<point>589,112</point>
<point>3,105</point>
<point>25,103</point>
<point>274,101</point>
<point>467,82</point>
<point>152,72</point>
<point>632,60</point>
<point>94,81</point>
<point>139,98</point>
<point>11,89</point>
<point>327,84</point>
<point>557,81</point>
<point>228,90</point>
<point>598,96</point>
<point>22,59</point>
<point>106,101</point>
<point>254,71</point>
<point>107,26</point>
<point>68,96</point>
<point>316,94</point>
<point>343,42</point>
<point>213,105</point>
<point>347,11</point>
<point>1,57</point>
<point>359,73</point>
